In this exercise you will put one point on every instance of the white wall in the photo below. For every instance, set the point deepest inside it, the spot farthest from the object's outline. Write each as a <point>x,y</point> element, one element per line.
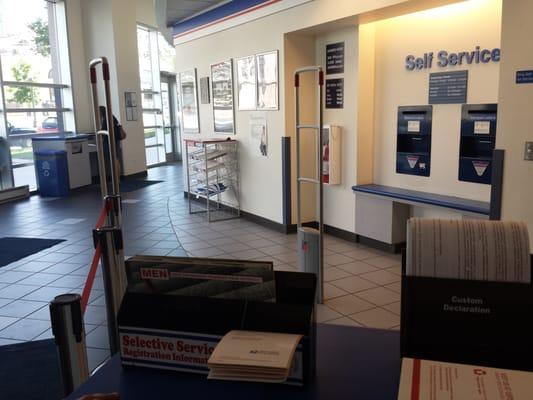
<point>457,27</point>
<point>339,208</point>
<point>515,119</point>
<point>109,29</point>
<point>261,188</point>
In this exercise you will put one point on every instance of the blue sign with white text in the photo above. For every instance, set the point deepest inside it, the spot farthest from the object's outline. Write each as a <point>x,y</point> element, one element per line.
<point>524,77</point>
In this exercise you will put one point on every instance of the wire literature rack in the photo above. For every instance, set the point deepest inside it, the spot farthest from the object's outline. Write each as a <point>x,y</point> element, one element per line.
<point>213,178</point>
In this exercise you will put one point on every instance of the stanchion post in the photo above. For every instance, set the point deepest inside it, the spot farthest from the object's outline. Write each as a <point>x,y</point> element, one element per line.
<point>69,333</point>
<point>113,271</point>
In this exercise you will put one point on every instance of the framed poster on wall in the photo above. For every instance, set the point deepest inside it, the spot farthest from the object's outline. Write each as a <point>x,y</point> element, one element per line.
<point>267,80</point>
<point>246,83</point>
<point>189,101</point>
<point>222,92</point>
<point>204,90</point>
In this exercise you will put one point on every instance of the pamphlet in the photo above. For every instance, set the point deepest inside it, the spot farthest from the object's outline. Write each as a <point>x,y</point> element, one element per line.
<point>253,356</point>
<point>468,249</point>
<point>434,380</point>
<point>204,277</point>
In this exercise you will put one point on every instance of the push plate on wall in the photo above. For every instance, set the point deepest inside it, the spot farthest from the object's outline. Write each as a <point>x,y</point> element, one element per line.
<point>528,153</point>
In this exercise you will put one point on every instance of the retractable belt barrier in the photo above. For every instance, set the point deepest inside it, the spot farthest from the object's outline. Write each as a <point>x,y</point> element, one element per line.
<point>67,311</point>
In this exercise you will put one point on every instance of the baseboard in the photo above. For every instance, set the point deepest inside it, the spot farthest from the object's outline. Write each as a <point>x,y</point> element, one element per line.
<point>331,230</point>
<point>142,174</point>
<point>253,217</point>
<point>394,248</point>
<point>14,194</point>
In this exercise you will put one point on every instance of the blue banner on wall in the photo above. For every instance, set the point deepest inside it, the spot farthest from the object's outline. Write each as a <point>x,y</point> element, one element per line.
<point>524,76</point>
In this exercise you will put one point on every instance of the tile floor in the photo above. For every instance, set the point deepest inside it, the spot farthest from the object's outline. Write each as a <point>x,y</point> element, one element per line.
<point>362,285</point>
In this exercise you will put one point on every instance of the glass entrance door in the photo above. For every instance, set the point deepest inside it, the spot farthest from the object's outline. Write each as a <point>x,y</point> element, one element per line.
<point>170,119</point>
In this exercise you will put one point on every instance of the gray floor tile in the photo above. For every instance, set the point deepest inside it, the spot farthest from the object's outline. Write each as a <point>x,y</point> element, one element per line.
<point>98,338</point>
<point>16,291</point>
<point>6,321</point>
<point>40,279</point>
<point>21,308</point>
<point>46,293</point>
<point>33,266</point>
<point>13,276</point>
<point>24,329</point>
<point>95,357</point>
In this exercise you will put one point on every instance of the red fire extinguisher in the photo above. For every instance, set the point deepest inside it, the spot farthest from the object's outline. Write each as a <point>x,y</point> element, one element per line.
<point>325,163</point>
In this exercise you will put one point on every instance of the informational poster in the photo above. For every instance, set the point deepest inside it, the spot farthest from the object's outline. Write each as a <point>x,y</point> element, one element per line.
<point>246,83</point>
<point>130,98</point>
<point>335,93</point>
<point>413,126</point>
<point>259,134</point>
<point>482,127</point>
<point>222,82</point>
<point>189,102</point>
<point>267,80</point>
<point>524,77</point>
<point>204,90</point>
<point>335,58</point>
<point>448,87</point>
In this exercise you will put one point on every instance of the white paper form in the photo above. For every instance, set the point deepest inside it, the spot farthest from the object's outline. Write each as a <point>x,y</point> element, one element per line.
<point>434,380</point>
<point>468,249</point>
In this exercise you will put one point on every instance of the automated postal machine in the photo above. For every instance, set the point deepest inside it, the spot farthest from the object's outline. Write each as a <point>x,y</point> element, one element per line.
<point>413,145</point>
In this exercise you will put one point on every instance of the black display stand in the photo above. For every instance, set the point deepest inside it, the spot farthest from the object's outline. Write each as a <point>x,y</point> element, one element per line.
<point>496,332</point>
<point>478,139</point>
<point>413,146</point>
<point>204,321</point>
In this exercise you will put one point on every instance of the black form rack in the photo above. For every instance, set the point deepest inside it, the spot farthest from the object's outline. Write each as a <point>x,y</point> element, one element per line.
<point>213,178</point>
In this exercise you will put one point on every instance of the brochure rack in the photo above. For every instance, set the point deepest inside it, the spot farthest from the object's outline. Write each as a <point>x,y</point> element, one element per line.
<point>463,321</point>
<point>213,178</point>
<point>175,332</point>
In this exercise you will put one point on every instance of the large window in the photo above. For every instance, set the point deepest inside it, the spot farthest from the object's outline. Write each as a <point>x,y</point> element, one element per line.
<point>34,78</point>
<point>155,55</point>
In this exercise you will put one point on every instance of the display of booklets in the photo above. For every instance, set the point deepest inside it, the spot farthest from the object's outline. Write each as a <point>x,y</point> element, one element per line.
<point>253,356</point>
<point>434,380</point>
<point>204,277</point>
<point>468,249</point>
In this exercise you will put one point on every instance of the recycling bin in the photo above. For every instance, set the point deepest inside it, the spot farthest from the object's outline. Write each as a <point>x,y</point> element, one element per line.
<point>51,170</point>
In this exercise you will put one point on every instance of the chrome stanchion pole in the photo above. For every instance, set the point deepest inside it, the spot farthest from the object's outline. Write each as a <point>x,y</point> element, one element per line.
<point>69,333</point>
<point>110,240</point>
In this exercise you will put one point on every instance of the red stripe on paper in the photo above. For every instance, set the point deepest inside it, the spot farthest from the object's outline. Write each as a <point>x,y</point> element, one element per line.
<point>415,384</point>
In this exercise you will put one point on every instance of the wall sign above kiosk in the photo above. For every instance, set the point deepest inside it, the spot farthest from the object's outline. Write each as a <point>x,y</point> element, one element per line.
<point>448,87</point>
<point>445,59</point>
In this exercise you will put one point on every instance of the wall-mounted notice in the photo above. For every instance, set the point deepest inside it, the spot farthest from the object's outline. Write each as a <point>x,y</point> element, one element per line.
<point>335,58</point>
<point>259,134</point>
<point>524,77</point>
<point>204,90</point>
<point>130,99</point>
<point>335,93</point>
<point>448,87</point>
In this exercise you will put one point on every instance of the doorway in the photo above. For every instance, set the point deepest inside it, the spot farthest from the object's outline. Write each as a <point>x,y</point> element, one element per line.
<point>171,121</point>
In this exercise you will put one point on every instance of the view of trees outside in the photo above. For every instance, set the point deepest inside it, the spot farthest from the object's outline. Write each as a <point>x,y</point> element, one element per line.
<point>25,57</point>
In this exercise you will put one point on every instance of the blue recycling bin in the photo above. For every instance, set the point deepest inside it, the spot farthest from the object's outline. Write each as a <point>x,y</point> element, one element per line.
<point>51,169</point>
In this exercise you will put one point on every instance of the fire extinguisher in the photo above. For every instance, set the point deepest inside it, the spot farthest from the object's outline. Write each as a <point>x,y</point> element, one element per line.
<point>325,163</point>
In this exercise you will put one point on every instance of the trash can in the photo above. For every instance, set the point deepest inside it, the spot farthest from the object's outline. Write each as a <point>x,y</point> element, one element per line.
<point>51,169</point>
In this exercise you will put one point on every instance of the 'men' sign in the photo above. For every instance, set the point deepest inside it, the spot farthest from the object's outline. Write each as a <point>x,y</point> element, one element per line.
<point>445,59</point>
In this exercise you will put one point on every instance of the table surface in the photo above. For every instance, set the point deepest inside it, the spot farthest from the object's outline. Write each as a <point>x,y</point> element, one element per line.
<point>352,363</point>
<point>456,203</point>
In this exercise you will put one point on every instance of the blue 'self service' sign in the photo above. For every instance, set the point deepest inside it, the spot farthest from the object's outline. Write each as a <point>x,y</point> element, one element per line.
<point>445,59</point>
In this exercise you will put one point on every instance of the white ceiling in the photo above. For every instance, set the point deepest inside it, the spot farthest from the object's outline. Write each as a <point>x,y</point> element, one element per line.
<point>178,10</point>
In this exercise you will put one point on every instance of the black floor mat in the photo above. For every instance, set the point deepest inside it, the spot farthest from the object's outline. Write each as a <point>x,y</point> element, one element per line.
<point>30,371</point>
<point>14,248</point>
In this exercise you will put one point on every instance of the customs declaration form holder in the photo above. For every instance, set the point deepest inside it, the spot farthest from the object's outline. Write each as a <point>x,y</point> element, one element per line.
<point>453,311</point>
<point>172,318</point>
